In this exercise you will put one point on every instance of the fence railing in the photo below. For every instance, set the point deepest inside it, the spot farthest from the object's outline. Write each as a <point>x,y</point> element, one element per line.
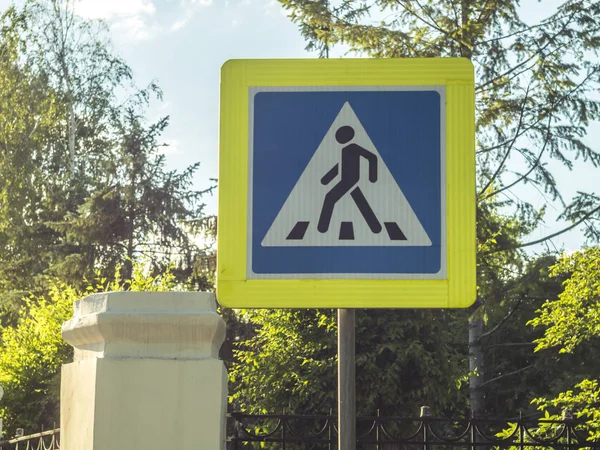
<point>319,432</point>
<point>46,440</point>
<point>301,432</point>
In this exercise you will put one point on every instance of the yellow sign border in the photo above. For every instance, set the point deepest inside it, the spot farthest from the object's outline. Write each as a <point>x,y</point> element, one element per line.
<point>234,290</point>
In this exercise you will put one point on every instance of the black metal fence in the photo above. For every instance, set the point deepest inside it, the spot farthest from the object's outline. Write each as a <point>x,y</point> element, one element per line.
<point>46,440</point>
<point>298,432</point>
<point>319,432</point>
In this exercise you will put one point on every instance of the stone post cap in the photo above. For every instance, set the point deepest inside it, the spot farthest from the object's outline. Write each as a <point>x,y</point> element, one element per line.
<point>155,325</point>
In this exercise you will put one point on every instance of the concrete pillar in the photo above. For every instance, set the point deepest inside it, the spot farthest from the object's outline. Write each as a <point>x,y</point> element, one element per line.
<point>146,373</point>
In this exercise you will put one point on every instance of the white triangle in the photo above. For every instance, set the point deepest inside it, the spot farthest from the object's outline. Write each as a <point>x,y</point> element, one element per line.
<point>385,197</point>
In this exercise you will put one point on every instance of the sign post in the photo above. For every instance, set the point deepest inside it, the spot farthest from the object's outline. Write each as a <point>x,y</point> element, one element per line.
<point>347,183</point>
<point>346,379</point>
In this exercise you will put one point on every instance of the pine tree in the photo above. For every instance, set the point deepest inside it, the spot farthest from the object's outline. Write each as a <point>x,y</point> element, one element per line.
<point>533,103</point>
<point>139,210</point>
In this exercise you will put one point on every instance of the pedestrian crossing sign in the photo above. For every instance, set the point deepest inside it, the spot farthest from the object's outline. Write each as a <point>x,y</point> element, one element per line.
<point>346,184</point>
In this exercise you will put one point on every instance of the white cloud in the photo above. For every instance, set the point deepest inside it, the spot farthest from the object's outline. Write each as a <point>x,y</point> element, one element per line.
<point>189,9</point>
<point>179,24</point>
<point>274,6</point>
<point>114,9</point>
<point>135,27</point>
<point>129,16</point>
<point>193,3</point>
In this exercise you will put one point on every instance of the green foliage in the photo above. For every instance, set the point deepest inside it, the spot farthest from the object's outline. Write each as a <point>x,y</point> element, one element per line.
<point>514,373</point>
<point>138,210</point>
<point>571,326</point>
<point>574,317</point>
<point>32,353</point>
<point>546,432</point>
<point>404,359</point>
<point>29,112</point>
<point>30,359</point>
<point>288,363</point>
<point>84,186</point>
<point>533,107</point>
<point>84,194</point>
<point>583,401</point>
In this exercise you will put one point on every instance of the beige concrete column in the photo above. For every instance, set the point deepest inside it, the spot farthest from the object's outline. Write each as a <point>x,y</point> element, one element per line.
<point>146,373</point>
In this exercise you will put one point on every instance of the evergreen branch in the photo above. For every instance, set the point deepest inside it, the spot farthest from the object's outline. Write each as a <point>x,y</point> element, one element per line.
<point>550,236</point>
<point>504,143</point>
<point>547,140</point>
<point>501,165</point>
<point>437,25</point>
<point>524,30</point>
<point>433,25</point>
<point>456,22</point>
<point>515,372</point>
<point>510,78</point>
<point>480,89</point>
<point>542,116</point>
<point>539,51</point>
<point>483,9</point>
<point>531,169</point>
<point>412,12</point>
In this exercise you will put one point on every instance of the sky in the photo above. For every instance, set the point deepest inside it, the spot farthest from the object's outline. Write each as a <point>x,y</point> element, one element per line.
<point>182,44</point>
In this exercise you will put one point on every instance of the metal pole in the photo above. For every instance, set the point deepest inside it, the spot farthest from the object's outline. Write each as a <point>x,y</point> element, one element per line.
<point>346,379</point>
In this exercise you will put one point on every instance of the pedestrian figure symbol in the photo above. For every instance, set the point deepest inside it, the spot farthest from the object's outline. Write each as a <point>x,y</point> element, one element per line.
<point>349,178</point>
<point>338,201</point>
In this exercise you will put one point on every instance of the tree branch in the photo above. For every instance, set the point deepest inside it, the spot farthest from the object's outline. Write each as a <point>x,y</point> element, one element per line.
<point>503,143</point>
<point>530,28</point>
<point>501,165</point>
<point>531,169</point>
<point>507,375</point>
<point>510,344</point>
<point>533,56</point>
<point>550,236</point>
<point>433,25</point>
<point>499,324</point>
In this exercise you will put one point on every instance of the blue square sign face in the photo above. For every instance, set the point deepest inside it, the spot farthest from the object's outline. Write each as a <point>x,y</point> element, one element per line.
<point>347,183</point>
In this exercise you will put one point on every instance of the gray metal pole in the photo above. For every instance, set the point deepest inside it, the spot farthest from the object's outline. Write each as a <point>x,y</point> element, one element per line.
<point>346,379</point>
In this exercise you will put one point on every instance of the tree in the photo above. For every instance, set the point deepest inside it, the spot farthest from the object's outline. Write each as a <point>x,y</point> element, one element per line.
<point>497,272</point>
<point>83,183</point>
<point>573,318</point>
<point>515,373</point>
<point>571,326</point>
<point>80,64</point>
<point>32,353</point>
<point>404,359</point>
<point>138,210</point>
<point>84,194</point>
<point>532,96</point>
<point>41,187</point>
<point>29,112</point>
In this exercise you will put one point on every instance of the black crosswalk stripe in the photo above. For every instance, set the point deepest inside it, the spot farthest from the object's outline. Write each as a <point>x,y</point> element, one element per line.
<point>298,231</point>
<point>394,231</point>
<point>346,231</point>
